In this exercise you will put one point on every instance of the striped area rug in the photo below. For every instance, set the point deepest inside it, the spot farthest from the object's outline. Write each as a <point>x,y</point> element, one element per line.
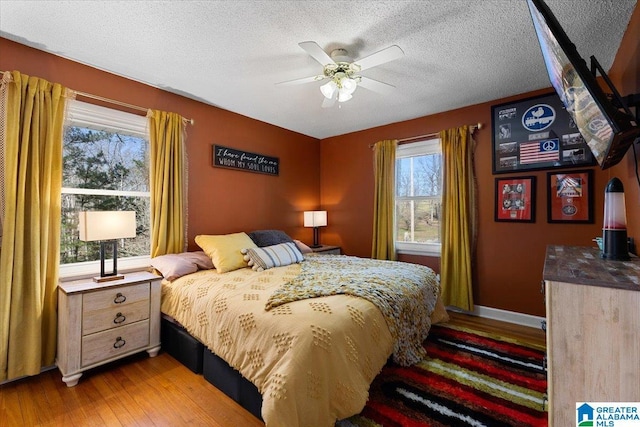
<point>467,379</point>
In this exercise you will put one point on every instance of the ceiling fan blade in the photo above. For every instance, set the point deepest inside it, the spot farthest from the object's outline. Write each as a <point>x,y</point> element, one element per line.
<point>316,52</point>
<point>329,102</point>
<point>385,55</point>
<point>375,85</point>
<point>300,81</point>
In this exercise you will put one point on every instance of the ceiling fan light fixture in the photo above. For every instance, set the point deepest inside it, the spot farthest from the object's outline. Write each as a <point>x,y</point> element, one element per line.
<point>329,89</point>
<point>349,85</point>
<point>344,96</point>
<point>343,73</point>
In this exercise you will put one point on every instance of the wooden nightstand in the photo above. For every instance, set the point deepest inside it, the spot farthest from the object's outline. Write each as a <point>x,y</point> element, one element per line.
<point>102,322</point>
<point>327,250</point>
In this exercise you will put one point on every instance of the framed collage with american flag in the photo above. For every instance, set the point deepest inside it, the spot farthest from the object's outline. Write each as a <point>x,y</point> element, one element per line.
<point>536,133</point>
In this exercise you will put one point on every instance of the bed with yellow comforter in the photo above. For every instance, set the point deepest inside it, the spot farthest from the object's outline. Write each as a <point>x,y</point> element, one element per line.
<point>311,336</point>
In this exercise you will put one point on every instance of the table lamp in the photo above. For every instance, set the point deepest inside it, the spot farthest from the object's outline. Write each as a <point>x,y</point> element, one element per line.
<point>107,227</point>
<point>315,219</point>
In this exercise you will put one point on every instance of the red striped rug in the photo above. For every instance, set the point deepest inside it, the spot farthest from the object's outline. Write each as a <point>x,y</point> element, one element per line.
<point>467,379</point>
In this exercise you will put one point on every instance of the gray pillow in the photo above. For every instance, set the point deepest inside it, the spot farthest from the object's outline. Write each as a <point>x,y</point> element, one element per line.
<point>264,238</point>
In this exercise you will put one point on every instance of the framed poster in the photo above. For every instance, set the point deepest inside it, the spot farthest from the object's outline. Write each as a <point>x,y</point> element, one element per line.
<point>536,133</point>
<point>570,197</point>
<point>515,199</point>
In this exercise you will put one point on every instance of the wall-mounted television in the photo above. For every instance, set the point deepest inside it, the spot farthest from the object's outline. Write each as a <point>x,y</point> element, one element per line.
<point>607,130</point>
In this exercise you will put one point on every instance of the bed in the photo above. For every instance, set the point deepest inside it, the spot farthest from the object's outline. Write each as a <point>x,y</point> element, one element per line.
<point>306,335</point>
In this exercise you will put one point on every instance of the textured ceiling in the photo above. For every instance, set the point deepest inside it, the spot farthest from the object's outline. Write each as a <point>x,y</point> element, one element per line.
<point>230,54</point>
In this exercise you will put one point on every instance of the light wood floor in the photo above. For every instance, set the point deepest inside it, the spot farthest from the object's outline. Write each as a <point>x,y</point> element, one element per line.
<point>158,391</point>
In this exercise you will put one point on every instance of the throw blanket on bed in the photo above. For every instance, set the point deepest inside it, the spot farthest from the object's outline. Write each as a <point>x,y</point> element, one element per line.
<point>404,293</point>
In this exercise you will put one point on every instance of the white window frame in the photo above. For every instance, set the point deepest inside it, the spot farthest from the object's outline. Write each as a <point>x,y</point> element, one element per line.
<point>99,118</point>
<point>421,148</point>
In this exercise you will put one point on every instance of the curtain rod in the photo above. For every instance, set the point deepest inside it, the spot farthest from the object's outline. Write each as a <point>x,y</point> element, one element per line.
<point>431,135</point>
<point>113,101</point>
<point>122,104</point>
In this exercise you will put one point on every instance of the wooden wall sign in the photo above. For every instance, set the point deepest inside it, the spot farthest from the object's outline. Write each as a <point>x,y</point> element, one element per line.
<point>225,157</point>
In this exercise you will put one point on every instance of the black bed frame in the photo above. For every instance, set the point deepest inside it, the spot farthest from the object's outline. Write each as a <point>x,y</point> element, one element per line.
<point>199,359</point>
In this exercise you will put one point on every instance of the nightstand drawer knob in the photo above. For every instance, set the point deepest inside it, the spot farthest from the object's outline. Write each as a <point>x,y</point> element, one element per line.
<point>119,318</point>
<point>119,343</point>
<point>119,299</point>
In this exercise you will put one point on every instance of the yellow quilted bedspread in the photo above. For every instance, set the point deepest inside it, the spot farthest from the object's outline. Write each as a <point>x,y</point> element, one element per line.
<point>313,360</point>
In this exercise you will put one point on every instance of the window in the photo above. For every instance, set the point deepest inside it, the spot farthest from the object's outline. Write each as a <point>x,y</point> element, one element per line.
<point>418,197</point>
<point>105,167</point>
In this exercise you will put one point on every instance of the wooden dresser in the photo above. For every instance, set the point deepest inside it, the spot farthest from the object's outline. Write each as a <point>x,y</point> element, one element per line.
<point>593,330</point>
<point>102,322</point>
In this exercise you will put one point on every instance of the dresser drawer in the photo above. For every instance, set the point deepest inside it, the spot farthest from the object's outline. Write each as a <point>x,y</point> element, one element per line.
<point>114,317</point>
<point>114,297</point>
<point>114,342</point>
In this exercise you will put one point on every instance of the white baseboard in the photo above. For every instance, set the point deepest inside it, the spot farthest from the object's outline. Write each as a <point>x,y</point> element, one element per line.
<point>504,315</point>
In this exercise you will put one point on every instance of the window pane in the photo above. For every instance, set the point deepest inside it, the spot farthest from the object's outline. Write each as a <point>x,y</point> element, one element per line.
<point>428,175</point>
<point>105,160</point>
<point>403,177</point>
<point>418,221</point>
<point>419,176</point>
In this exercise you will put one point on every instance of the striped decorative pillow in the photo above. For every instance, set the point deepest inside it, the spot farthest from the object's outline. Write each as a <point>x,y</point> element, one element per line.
<point>267,257</point>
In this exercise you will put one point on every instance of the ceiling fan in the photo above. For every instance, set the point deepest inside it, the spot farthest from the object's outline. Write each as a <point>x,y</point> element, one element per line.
<point>343,72</point>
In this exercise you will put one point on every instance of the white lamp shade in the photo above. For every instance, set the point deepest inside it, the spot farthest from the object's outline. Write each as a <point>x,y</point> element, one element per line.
<point>329,89</point>
<point>109,225</point>
<point>344,96</point>
<point>315,218</point>
<point>349,85</point>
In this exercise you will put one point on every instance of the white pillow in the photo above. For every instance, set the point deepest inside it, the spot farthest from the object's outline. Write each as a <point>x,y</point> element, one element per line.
<point>260,259</point>
<point>173,266</point>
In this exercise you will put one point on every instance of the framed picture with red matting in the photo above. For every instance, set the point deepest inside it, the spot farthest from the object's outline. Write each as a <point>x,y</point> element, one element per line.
<point>515,199</point>
<point>570,197</point>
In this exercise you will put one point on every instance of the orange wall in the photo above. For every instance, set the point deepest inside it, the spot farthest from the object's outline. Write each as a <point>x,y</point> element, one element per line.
<point>510,256</point>
<point>337,174</point>
<point>220,200</point>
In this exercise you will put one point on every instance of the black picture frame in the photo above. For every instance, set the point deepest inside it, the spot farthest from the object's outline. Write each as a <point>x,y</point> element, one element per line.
<point>536,133</point>
<point>515,199</point>
<point>570,197</point>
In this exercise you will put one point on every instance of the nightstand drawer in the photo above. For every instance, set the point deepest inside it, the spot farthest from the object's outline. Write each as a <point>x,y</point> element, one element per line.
<point>113,317</point>
<point>114,342</point>
<point>114,297</point>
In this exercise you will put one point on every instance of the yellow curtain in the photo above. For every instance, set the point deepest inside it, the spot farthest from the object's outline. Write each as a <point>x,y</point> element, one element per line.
<point>459,217</point>
<point>32,139</point>
<point>384,154</point>
<point>167,182</point>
